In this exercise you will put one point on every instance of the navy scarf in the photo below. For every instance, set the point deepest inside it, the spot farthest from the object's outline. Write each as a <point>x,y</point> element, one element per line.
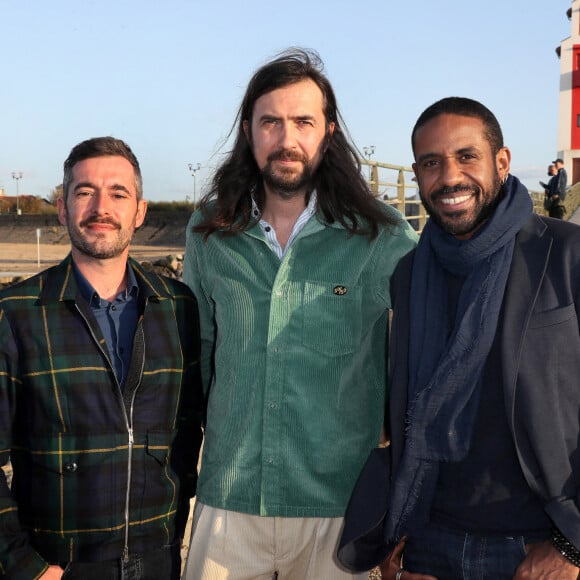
<point>445,369</point>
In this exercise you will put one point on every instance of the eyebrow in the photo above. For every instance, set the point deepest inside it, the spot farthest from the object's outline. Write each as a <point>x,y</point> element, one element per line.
<point>88,184</point>
<point>271,116</point>
<point>461,151</point>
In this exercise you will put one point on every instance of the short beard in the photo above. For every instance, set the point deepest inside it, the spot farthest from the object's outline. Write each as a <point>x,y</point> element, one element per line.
<point>485,211</point>
<point>94,249</point>
<point>287,184</point>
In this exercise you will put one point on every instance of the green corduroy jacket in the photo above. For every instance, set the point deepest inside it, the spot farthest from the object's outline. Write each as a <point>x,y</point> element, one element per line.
<point>294,363</point>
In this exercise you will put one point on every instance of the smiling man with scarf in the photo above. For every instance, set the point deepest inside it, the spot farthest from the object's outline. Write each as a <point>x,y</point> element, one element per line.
<point>482,478</point>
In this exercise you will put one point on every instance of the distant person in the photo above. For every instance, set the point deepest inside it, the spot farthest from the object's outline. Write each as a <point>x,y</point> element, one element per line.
<point>98,387</point>
<point>290,257</point>
<point>552,172</point>
<point>551,197</point>
<point>482,477</point>
<point>557,209</point>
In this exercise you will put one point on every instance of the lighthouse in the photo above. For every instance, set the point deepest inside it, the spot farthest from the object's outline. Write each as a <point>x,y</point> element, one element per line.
<point>569,109</point>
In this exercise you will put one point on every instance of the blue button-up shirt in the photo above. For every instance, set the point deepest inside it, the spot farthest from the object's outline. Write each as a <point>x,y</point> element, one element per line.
<point>117,320</point>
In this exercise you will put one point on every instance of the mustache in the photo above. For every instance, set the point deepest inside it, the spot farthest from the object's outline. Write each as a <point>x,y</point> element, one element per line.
<point>459,188</point>
<point>287,155</point>
<point>108,221</point>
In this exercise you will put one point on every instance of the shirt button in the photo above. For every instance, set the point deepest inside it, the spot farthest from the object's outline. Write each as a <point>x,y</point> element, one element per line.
<point>270,461</point>
<point>113,307</point>
<point>267,228</point>
<point>70,467</point>
<point>279,293</point>
<point>273,406</point>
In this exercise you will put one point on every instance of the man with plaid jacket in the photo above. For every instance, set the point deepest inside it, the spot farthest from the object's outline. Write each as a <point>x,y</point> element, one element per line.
<point>99,407</point>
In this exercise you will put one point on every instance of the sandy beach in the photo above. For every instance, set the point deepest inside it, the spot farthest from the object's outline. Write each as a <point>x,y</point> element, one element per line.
<point>20,259</point>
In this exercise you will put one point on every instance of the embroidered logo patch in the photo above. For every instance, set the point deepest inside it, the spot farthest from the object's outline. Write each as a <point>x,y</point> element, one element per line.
<point>340,290</point>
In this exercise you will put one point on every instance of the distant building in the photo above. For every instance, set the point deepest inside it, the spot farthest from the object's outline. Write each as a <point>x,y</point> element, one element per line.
<point>569,110</point>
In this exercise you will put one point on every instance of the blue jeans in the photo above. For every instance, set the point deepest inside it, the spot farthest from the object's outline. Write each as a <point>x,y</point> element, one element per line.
<point>162,564</point>
<point>454,555</point>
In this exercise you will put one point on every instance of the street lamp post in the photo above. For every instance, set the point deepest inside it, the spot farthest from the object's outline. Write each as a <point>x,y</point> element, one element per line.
<point>17,175</point>
<point>194,169</point>
<point>368,152</point>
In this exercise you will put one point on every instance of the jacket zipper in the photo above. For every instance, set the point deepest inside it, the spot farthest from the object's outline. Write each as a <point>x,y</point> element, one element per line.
<point>128,424</point>
<point>127,494</point>
<point>130,459</point>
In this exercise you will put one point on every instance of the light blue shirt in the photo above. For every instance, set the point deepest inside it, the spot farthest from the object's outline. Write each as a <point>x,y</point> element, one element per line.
<point>270,233</point>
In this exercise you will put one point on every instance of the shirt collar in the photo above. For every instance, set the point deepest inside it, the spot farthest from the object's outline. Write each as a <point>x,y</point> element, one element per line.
<point>310,209</point>
<point>92,296</point>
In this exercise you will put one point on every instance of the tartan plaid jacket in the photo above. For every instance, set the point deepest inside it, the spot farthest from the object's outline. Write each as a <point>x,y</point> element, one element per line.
<point>96,472</point>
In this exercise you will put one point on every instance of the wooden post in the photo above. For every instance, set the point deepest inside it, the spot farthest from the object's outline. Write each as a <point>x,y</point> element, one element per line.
<point>375,179</point>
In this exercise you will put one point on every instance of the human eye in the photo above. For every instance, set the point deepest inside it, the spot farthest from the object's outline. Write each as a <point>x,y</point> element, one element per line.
<point>430,163</point>
<point>120,194</point>
<point>269,122</point>
<point>81,193</point>
<point>468,156</point>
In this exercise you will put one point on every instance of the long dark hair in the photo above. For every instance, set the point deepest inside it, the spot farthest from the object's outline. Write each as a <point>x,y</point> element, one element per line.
<point>342,193</point>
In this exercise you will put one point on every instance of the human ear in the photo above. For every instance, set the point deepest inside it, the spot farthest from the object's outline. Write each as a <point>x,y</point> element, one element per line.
<point>502,161</point>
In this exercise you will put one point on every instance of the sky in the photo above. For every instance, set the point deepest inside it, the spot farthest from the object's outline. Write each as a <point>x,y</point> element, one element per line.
<point>168,77</point>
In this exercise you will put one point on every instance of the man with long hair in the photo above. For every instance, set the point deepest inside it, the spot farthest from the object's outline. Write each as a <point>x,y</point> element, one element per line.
<point>290,256</point>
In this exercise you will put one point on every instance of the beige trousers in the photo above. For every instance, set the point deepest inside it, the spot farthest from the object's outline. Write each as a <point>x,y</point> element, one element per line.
<point>227,545</point>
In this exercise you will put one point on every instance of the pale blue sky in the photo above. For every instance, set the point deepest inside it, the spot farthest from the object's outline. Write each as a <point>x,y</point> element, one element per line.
<point>168,76</point>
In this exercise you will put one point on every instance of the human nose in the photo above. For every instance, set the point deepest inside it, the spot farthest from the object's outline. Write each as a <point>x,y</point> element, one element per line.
<point>450,171</point>
<point>287,136</point>
<point>100,203</point>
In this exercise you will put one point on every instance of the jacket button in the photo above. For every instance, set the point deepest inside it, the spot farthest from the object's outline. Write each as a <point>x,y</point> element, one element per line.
<point>70,467</point>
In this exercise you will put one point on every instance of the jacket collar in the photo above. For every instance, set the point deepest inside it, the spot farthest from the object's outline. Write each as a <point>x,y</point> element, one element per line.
<point>60,283</point>
<point>523,285</point>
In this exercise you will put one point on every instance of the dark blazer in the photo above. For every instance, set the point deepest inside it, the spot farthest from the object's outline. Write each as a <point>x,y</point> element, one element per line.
<point>540,346</point>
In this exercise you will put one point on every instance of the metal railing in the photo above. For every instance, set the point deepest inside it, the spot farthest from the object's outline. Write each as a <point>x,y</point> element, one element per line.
<point>396,185</point>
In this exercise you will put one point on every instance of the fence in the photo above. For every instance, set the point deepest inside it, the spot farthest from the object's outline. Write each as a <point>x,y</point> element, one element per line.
<point>396,185</point>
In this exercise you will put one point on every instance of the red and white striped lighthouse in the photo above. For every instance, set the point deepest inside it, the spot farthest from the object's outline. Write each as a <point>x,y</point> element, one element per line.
<point>569,113</point>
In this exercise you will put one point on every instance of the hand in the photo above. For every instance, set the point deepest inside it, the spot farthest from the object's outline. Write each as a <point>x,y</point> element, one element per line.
<point>53,573</point>
<point>392,564</point>
<point>544,562</point>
